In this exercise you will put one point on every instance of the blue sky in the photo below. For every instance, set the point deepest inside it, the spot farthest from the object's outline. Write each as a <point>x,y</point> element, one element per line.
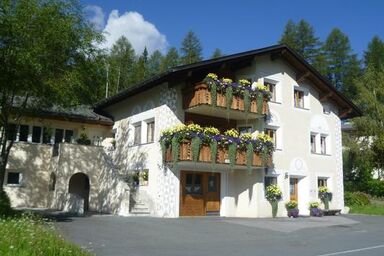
<point>234,26</point>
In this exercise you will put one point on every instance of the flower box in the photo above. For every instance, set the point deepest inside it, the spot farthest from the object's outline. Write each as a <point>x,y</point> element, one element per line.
<point>200,95</point>
<point>185,154</point>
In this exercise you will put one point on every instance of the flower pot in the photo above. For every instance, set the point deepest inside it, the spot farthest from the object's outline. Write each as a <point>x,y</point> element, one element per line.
<point>294,213</point>
<point>275,207</point>
<point>316,212</point>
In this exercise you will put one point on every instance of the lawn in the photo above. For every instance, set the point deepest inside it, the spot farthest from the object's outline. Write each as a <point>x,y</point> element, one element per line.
<point>30,236</point>
<point>375,208</point>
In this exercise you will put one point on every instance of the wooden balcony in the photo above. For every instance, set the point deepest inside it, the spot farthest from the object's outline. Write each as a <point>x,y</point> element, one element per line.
<point>185,154</point>
<point>198,100</point>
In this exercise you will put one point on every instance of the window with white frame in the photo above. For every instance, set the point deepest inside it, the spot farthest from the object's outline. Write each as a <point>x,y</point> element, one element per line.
<point>319,144</point>
<point>12,132</point>
<point>271,86</point>
<point>313,143</point>
<point>23,132</point>
<point>14,178</point>
<point>323,144</point>
<point>299,98</point>
<point>137,134</point>
<point>36,134</point>
<point>150,131</point>
<point>322,182</point>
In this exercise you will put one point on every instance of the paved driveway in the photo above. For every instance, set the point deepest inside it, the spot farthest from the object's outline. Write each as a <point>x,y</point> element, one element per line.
<point>210,236</point>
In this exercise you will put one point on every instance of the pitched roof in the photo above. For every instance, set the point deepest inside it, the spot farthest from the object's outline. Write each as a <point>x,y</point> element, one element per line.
<point>305,70</point>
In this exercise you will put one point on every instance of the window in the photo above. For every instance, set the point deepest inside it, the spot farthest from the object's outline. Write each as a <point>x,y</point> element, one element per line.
<point>36,134</point>
<point>323,144</point>
<point>268,180</point>
<point>47,135</point>
<point>299,98</point>
<point>59,135</point>
<point>313,143</point>
<point>245,129</point>
<point>321,182</point>
<point>193,184</point>
<point>14,178</point>
<point>11,132</point>
<point>272,133</point>
<point>150,131</point>
<point>23,132</point>
<point>272,88</point>
<point>68,136</point>
<point>137,138</point>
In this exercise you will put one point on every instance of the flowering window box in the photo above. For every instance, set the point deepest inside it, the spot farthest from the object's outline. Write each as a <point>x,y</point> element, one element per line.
<point>205,144</point>
<point>200,94</point>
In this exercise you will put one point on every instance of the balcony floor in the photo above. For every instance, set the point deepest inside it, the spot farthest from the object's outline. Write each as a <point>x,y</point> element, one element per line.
<point>208,110</point>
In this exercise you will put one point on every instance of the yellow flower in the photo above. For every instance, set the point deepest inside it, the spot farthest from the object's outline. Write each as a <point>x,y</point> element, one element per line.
<point>212,76</point>
<point>264,137</point>
<point>232,133</point>
<point>261,87</point>
<point>246,136</point>
<point>226,80</point>
<point>211,130</point>
<point>194,128</point>
<point>244,82</point>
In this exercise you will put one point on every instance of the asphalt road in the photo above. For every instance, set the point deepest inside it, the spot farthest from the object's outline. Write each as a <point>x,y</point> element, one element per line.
<point>349,235</point>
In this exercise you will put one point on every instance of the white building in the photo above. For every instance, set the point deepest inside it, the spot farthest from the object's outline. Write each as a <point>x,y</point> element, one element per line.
<point>304,119</point>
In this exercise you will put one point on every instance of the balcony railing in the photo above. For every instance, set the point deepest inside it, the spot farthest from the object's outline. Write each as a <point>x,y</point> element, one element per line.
<point>205,144</point>
<point>222,155</point>
<point>200,95</point>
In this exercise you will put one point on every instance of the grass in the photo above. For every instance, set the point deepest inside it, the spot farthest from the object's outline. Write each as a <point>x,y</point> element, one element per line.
<point>32,236</point>
<point>375,208</point>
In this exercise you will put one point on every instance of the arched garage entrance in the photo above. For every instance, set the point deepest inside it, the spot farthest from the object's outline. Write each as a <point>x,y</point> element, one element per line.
<point>79,185</point>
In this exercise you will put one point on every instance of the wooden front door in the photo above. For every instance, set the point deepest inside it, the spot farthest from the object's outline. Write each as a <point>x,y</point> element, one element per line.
<point>199,193</point>
<point>293,189</point>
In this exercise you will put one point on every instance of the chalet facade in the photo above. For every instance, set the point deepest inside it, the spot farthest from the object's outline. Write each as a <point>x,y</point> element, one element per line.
<point>279,95</point>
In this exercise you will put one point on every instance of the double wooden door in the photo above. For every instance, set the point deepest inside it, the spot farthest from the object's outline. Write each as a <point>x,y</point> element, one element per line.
<point>199,193</point>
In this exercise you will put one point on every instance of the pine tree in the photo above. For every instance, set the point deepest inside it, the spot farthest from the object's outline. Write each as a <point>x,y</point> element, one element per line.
<point>140,71</point>
<point>121,65</point>
<point>191,49</point>
<point>341,62</point>
<point>217,53</point>
<point>374,56</point>
<point>154,63</point>
<point>171,59</point>
<point>301,37</point>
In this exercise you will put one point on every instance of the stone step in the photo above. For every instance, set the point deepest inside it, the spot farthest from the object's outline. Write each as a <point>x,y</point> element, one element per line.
<point>139,214</point>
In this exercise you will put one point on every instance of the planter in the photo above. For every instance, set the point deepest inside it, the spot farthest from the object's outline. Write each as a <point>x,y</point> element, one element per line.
<point>316,212</point>
<point>294,213</point>
<point>201,95</point>
<point>275,207</point>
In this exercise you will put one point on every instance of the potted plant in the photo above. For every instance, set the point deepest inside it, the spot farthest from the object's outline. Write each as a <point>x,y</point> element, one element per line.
<point>314,209</point>
<point>292,210</point>
<point>273,195</point>
<point>325,196</point>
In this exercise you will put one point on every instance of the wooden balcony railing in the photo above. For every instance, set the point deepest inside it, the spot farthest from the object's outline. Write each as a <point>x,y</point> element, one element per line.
<point>200,94</point>
<point>222,157</point>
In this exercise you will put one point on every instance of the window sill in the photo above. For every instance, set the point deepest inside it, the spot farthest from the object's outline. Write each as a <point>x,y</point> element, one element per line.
<point>14,185</point>
<point>320,154</point>
<point>275,102</point>
<point>142,144</point>
<point>300,108</point>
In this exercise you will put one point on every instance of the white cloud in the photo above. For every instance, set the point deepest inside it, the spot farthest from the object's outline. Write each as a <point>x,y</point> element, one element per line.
<point>95,15</point>
<point>138,31</point>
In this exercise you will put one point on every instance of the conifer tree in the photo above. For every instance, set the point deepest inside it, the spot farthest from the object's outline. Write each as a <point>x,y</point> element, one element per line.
<point>191,49</point>
<point>154,63</point>
<point>217,53</point>
<point>374,56</point>
<point>171,59</point>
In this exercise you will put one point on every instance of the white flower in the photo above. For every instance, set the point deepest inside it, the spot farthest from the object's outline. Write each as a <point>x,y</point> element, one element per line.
<point>253,86</point>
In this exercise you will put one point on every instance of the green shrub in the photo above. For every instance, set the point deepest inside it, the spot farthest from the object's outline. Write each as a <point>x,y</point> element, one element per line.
<point>375,188</point>
<point>356,199</point>
<point>5,204</point>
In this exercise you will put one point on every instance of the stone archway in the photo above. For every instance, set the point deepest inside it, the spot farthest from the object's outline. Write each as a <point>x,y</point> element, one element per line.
<point>79,185</point>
